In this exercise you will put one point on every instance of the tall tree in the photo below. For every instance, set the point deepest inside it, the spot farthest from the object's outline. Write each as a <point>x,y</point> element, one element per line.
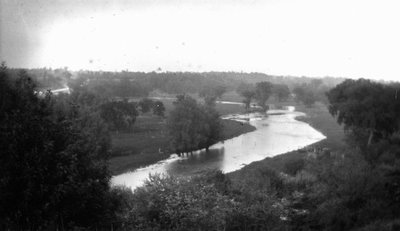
<point>120,115</point>
<point>146,104</point>
<point>262,93</point>
<point>366,106</point>
<point>158,108</point>
<point>50,163</point>
<point>212,127</point>
<point>247,91</point>
<point>248,96</point>
<point>305,94</point>
<point>184,123</point>
<point>211,94</point>
<point>281,92</point>
<point>192,126</point>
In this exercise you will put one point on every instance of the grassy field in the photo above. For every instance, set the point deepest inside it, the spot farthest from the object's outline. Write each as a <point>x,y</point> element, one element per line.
<point>148,143</point>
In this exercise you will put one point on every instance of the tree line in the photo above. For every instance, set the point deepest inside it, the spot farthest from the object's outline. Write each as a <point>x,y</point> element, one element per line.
<point>139,84</point>
<point>306,93</point>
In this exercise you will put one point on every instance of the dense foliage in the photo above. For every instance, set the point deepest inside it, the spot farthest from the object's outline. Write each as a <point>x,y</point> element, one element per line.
<point>311,92</point>
<point>263,91</point>
<point>247,92</point>
<point>119,115</point>
<point>281,92</point>
<point>147,104</point>
<point>356,189</point>
<point>204,202</point>
<point>193,126</point>
<point>211,94</point>
<point>366,107</point>
<point>305,95</point>
<point>158,108</point>
<point>53,170</point>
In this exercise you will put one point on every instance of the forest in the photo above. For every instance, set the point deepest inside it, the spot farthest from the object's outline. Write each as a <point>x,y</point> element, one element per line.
<point>60,151</point>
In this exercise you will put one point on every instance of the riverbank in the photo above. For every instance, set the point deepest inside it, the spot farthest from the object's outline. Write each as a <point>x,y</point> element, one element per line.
<point>320,119</point>
<point>148,143</point>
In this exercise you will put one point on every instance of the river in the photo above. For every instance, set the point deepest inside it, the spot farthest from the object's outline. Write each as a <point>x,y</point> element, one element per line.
<point>275,134</point>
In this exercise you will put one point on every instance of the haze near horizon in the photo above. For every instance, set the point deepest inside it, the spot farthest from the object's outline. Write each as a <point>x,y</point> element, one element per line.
<point>301,38</point>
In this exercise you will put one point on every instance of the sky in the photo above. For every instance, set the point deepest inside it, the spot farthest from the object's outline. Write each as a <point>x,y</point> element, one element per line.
<point>342,38</point>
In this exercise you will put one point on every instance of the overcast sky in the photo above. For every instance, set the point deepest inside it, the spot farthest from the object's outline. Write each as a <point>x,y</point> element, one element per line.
<point>347,38</point>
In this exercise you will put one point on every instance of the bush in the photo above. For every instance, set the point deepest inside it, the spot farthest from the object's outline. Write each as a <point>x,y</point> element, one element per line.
<point>292,166</point>
<point>171,203</point>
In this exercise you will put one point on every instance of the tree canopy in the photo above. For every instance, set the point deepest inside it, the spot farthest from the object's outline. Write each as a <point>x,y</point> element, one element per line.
<point>211,94</point>
<point>193,126</point>
<point>119,115</point>
<point>262,93</point>
<point>247,91</point>
<point>366,106</point>
<point>158,108</point>
<point>53,159</point>
<point>281,92</point>
<point>305,94</point>
<point>145,104</point>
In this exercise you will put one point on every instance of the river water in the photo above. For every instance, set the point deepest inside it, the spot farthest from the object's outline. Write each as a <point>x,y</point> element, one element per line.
<point>275,134</point>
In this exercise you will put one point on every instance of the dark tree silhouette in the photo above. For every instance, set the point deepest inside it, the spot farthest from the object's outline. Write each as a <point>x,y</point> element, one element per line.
<point>53,172</point>
<point>262,92</point>
<point>192,126</point>
<point>120,115</point>
<point>146,104</point>
<point>158,108</point>
<point>211,94</point>
<point>366,106</point>
<point>305,94</point>
<point>281,92</point>
<point>247,91</point>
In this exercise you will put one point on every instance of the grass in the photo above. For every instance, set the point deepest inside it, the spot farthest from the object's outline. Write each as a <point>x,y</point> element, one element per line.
<point>234,128</point>
<point>319,118</point>
<point>148,143</point>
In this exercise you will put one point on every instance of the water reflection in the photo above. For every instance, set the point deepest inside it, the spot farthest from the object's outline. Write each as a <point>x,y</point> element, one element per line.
<point>275,134</point>
<point>197,162</point>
